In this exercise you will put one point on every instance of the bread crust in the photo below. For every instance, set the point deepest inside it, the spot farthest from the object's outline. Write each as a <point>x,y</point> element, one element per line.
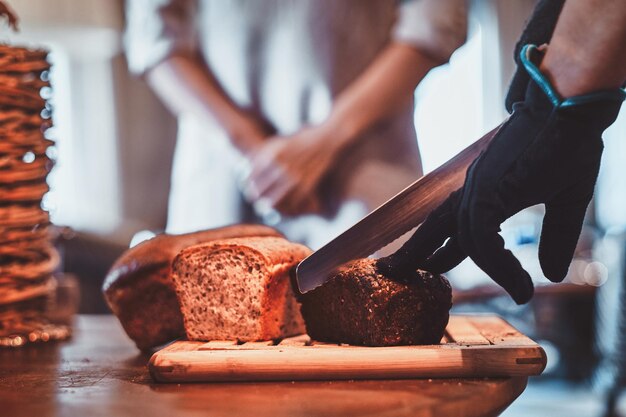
<point>140,292</point>
<point>360,306</point>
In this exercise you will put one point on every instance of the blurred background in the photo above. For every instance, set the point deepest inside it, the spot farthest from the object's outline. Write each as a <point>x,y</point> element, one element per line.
<point>115,142</point>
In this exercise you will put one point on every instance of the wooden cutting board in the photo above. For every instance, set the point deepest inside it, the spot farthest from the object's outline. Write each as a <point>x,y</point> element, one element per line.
<point>473,346</point>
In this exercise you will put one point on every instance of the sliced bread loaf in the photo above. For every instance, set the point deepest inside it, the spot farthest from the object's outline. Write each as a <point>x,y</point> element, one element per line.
<point>360,306</point>
<point>239,289</point>
<point>139,289</point>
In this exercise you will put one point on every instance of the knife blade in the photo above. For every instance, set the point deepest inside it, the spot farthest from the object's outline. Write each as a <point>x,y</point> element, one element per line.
<point>400,214</point>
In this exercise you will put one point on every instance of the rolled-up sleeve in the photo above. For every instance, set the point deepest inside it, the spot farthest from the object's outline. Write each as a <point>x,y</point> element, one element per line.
<point>437,27</point>
<point>156,29</point>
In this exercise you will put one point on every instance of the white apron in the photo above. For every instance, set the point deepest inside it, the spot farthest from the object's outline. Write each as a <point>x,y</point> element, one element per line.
<point>286,60</point>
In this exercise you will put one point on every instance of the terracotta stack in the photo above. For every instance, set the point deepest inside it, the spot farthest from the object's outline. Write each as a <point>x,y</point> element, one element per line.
<point>27,256</point>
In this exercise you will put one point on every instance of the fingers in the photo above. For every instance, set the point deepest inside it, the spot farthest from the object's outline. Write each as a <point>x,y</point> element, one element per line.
<point>445,258</point>
<point>428,237</point>
<point>306,203</point>
<point>559,235</point>
<point>269,181</point>
<point>479,238</point>
<point>286,195</point>
<point>277,195</point>
<point>263,177</point>
<point>297,201</point>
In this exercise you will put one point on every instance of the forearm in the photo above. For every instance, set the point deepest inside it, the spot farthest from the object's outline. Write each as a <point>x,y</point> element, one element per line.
<point>186,86</point>
<point>586,52</point>
<point>380,92</point>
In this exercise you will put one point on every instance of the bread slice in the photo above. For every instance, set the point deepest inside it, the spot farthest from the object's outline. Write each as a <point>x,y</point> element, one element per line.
<point>360,306</point>
<point>239,289</point>
<point>139,289</point>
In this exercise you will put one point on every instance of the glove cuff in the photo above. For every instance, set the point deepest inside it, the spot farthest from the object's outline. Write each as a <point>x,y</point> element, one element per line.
<point>530,56</point>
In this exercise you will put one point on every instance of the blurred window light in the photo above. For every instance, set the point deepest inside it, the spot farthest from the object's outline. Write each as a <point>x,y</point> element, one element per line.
<point>610,197</point>
<point>83,38</point>
<point>84,183</point>
<point>449,103</point>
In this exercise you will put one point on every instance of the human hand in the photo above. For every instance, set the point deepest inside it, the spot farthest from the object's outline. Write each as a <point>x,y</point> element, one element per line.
<point>547,152</point>
<point>249,133</point>
<point>287,170</point>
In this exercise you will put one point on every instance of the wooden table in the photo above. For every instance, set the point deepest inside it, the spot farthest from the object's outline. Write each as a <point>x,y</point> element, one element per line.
<point>100,373</point>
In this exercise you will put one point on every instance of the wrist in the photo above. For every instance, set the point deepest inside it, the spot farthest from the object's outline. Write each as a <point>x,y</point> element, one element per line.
<point>342,132</point>
<point>575,74</point>
<point>244,134</point>
<point>546,82</point>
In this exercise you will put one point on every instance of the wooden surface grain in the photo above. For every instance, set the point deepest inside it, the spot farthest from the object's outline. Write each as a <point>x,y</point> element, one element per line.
<point>476,346</point>
<point>100,373</point>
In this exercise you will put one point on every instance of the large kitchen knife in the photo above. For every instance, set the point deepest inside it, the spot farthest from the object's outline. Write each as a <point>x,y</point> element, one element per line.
<point>388,222</point>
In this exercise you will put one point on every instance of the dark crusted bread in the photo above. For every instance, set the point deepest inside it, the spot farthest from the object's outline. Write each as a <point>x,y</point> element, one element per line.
<point>359,306</point>
<point>140,291</point>
<point>239,289</point>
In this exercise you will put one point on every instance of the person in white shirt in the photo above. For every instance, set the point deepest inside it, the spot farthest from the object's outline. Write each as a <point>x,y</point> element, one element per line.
<point>314,97</point>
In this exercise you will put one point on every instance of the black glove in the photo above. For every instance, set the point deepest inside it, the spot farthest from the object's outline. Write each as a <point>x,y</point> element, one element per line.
<point>538,31</point>
<point>547,152</point>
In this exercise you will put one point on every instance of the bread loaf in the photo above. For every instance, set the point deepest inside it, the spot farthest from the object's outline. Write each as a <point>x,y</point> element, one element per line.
<point>239,289</point>
<point>139,289</point>
<point>359,306</point>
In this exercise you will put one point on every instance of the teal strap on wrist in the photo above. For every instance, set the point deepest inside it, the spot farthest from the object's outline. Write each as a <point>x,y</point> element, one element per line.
<point>526,56</point>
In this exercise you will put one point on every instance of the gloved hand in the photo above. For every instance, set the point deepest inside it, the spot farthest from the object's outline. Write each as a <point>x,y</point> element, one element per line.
<point>538,31</point>
<point>547,152</point>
